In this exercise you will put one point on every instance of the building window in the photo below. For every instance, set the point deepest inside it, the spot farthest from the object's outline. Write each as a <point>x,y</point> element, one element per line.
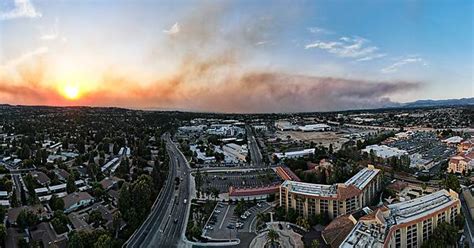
<point>324,206</point>
<point>411,236</point>
<point>335,211</point>
<point>311,207</point>
<point>397,239</point>
<point>427,228</point>
<point>441,217</point>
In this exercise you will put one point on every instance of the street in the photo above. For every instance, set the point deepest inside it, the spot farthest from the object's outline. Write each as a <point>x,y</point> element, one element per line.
<point>255,154</point>
<point>167,220</point>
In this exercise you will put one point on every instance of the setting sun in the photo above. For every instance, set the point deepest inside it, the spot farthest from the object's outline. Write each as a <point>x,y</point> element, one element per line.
<point>71,92</point>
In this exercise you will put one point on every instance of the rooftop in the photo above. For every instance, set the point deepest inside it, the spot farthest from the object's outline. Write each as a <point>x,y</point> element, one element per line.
<point>372,229</point>
<point>311,188</point>
<point>363,177</point>
<point>355,183</point>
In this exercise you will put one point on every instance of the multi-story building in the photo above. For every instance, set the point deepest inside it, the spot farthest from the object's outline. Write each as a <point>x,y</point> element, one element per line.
<point>461,163</point>
<point>404,224</point>
<point>343,198</point>
<point>466,146</point>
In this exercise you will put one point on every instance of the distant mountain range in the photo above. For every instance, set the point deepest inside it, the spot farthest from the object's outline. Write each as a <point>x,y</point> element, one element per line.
<point>436,103</point>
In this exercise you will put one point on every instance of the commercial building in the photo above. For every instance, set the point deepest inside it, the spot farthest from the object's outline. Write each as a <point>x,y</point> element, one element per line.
<point>263,192</point>
<point>237,153</point>
<point>384,151</point>
<point>466,146</point>
<point>334,200</point>
<point>404,224</point>
<point>454,141</point>
<point>285,126</point>
<point>461,163</point>
<point>314,128</point>
<point>294,154</point>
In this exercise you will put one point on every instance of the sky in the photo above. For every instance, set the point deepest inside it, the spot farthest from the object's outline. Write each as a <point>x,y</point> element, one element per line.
<point>235,56</point>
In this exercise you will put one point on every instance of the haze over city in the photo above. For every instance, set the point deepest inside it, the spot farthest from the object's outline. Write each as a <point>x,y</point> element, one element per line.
<point>242,56</point>
<point>239,124</point>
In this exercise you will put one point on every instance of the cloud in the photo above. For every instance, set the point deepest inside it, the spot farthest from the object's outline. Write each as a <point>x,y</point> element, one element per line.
<point>412,59</point>
<point>22,9</point>
<point>25,57</point>
<point>347,47</point>
<point>318,30</point>
<point>173,30</point>
<point>215,71</point>
<point>51,34</point>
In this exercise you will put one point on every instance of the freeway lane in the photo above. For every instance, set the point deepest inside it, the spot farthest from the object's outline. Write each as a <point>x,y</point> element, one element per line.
<point>255,154</point>
<point>171,228</point>
<point>143,234</point>
<point>146,232</point>
<point>167,221</point>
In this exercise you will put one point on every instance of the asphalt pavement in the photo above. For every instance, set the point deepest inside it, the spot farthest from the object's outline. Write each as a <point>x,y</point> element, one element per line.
<point>167,221</point>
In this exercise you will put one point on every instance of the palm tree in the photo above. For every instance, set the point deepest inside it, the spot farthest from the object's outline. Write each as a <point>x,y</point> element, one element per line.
<point>302,222</point>
<point>315,243</point>
<point>272,236</point>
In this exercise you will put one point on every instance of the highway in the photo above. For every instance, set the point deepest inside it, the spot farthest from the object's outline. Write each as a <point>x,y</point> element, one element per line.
<point>469,224</point>
<point>255,154</point>
<point>168,217</point>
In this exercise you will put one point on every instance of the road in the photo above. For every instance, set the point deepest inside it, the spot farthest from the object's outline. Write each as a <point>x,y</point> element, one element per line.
<point>469,224</point>
<point>17,186</point>
<point>255,154</point>
<point>168,218</point>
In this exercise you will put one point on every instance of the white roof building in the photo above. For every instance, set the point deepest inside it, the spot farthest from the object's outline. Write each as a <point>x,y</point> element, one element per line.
<point>453,140</point>
<point>295,154</point>
<point>384,151</point>
<point>314,127</point>
<point>371,231</point>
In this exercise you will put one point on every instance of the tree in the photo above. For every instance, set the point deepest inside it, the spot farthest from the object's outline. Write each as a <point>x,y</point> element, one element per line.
<point>95,217</point>
<point>76,240</point>
<point>116,219</point>
<point>3,211</point>
<point>215,192</point>
<point>104,241</point>
<point>315,243</point>
<point>3,234</point>
<point>452,182</point>
<point>240,208</point>
<point>302,222</point>
<point>272,236</point>
<point>60,221</point>
<point>56,203</point>
<point>27,219</point>
<point>71,184</point>
<point>444,235</point>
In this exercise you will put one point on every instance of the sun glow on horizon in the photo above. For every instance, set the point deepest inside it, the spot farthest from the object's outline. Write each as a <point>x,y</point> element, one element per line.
<point>71,92</point>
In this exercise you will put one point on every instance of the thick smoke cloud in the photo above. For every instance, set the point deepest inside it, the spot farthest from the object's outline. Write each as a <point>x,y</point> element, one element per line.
<point>215,72</point>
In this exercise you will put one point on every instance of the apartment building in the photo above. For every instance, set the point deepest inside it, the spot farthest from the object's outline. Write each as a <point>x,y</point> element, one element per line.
<point>334,200</point>
<point>404,224</point>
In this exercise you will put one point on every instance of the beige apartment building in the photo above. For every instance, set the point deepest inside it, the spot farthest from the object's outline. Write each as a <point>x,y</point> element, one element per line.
<point>334,200</point>
<point>405,224</point>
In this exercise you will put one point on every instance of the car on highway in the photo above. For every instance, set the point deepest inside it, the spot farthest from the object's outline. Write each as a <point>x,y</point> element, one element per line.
<point>230,226</point>
<point>175,220</point>
<point>185,201</point>
<point>217,211</point>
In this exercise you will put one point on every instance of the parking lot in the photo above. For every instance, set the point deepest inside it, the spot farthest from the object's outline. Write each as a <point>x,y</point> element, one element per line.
<point>427,145</point>
<point>255,178</point>
<point>224,224</point>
